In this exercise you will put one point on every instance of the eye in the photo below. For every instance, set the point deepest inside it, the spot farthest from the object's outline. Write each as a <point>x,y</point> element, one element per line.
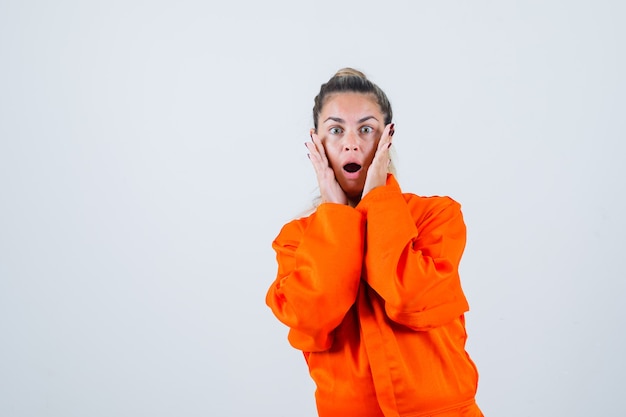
<point>335,130</point>
<point>367,129</point>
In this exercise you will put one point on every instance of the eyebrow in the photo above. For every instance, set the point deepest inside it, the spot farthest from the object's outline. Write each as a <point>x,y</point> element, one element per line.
<point>340,120</point>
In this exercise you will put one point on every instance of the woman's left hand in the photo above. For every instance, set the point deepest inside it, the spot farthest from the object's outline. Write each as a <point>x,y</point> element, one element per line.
<point>377,172</point>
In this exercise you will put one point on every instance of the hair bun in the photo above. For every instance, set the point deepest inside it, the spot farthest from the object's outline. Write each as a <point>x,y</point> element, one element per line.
<point>350,72</point>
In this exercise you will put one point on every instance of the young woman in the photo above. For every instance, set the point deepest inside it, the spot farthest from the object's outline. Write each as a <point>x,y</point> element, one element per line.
<point>368,284</point>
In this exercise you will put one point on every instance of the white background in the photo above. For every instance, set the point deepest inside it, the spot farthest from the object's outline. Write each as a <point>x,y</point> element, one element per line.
<point>150,151</point>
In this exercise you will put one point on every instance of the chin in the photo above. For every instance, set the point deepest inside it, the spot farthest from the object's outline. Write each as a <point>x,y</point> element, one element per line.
<point>352,188</point>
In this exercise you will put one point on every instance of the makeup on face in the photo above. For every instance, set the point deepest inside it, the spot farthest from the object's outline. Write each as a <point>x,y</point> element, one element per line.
<point>350,126</point>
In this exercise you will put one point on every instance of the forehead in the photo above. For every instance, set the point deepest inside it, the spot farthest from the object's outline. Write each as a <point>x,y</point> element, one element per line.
<point>350,104</point>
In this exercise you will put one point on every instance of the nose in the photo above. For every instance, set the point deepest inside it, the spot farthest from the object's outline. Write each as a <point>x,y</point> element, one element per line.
<point>351,142</point>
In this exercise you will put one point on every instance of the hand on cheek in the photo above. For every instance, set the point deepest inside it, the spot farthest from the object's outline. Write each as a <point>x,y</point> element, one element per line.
<point>377,172</point>
<point>330,189</point>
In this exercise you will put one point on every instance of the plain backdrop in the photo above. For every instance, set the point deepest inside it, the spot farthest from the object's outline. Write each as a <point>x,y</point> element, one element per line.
<point>150,151</point>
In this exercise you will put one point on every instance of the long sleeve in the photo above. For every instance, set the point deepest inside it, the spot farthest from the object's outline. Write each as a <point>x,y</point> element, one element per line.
<point>413,250</point>
<point>319,269</point>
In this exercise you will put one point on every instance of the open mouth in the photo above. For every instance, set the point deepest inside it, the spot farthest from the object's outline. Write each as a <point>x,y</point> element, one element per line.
<point>351,167</point>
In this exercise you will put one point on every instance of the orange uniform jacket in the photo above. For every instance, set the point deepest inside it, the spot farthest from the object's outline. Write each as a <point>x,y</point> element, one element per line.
<point>372,297</point>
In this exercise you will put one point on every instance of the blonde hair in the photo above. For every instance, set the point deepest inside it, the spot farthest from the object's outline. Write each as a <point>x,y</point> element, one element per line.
<point>347,71</point>
<point>351,80</point>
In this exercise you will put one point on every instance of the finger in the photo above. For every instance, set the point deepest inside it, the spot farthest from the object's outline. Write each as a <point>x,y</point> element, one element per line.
<point>386,138</point>
<point>320,147</point>
<point>320,163</point>
<point>312,149</point>
<point>315,145</point>
<point>382,151</point>
<point>314,157</point>
<point>383,143</point>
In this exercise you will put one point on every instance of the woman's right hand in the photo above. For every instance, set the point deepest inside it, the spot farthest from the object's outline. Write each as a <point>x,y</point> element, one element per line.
<point>330,189</point>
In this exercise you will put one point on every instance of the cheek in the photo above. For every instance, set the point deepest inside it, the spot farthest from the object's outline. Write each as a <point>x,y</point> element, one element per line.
<point>332,150</point>
<point>371,150</point>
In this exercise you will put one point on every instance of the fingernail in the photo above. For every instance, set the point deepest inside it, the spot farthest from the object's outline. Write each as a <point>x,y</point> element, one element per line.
<point>392,132</point>
<point>393,125</point>
<point>389,146</point>
<point>308,155</point>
